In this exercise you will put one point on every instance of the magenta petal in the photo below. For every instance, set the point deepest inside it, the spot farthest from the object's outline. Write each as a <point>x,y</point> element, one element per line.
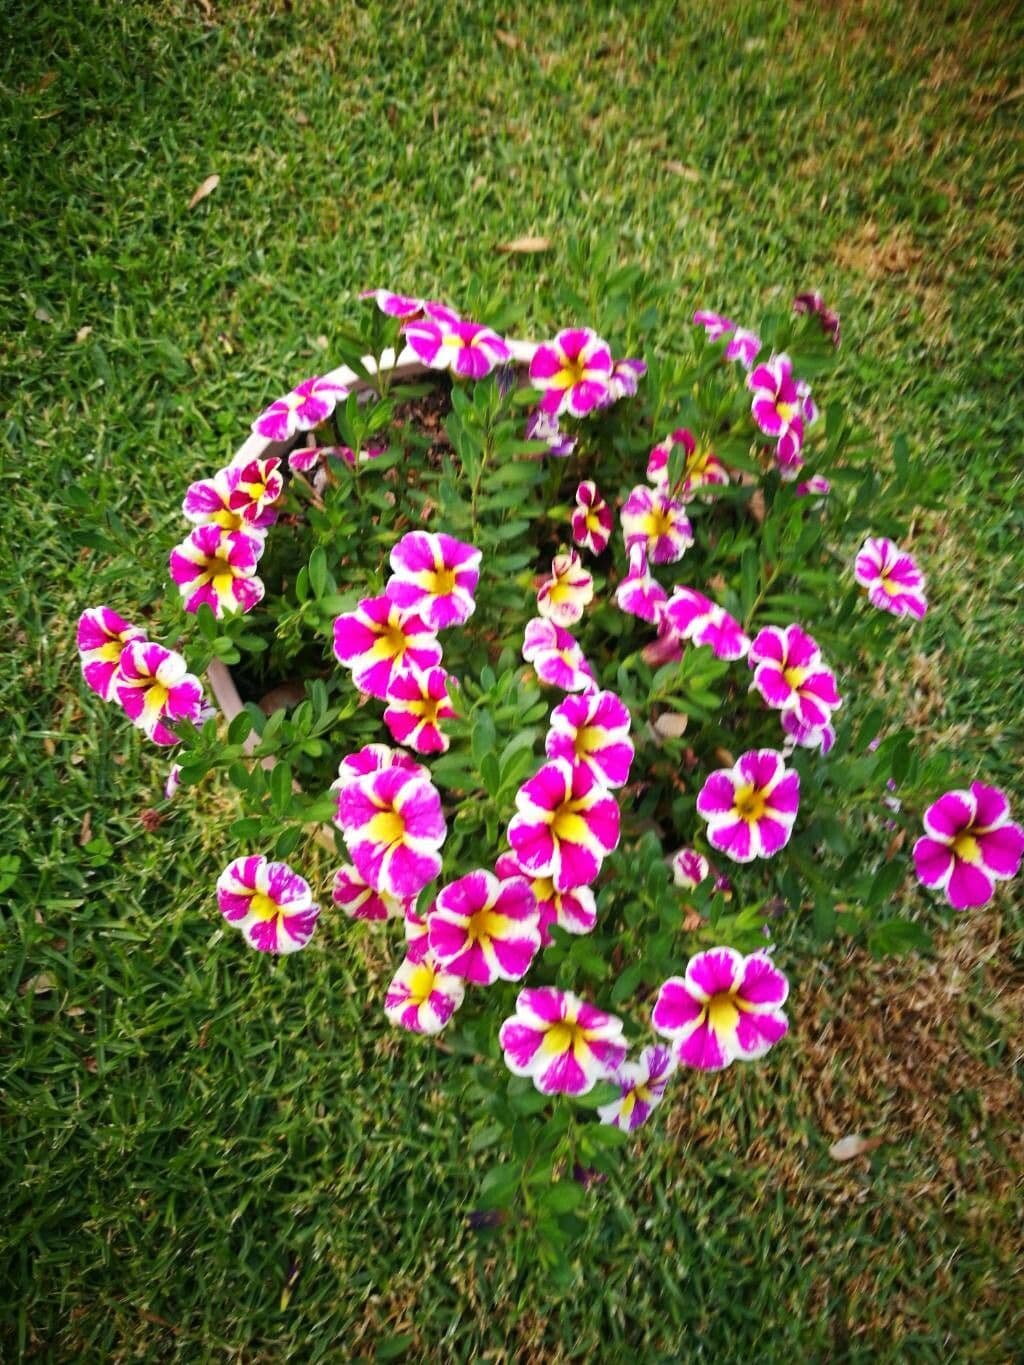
<point>703,1051</point>
<point>1002,850</point>
<point>933,861</point>
<point>969,886</point>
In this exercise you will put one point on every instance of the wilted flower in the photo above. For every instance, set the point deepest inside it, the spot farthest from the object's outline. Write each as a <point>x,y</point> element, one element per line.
<point>969,844</point>
<point>564,1044</point>
<point>812,302</point>
<point>791,675</point>
<point>393,825</point>
<point>102,638</point>
<point>484,928</point>
<point>434,575</point>
<point>639,593</point>
<point>892,578</point>
<point>820,737</point>
<point>574,372</point>
<point>652,519</point>
<point>591,519</point>
<point>417,702</point>
<point>272,905</point>
<point>445,341</point>
<point>564,596</point>
<point>217,569</point>
<point>751,807</point>
<point>726,1008</point>
<point>173,781</point>
<point>566,824</point>
<point>593,730</point>
<point>715,325</point>
<point>556,657</point>
<point>574,911</point>
<point>743,346</point>
<point>422,996</point>
<point>542,426</point>
<point>417,935</point>
<point>154,685</point>
<point>380,641</point>
<point>624,380</point>
<point>308,404</point>
<point>817,486</point>
<point>304,458</point>
<point>641,1088</point>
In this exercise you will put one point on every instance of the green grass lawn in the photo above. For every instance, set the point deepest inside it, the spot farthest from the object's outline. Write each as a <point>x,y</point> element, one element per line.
<point>207,1155</point>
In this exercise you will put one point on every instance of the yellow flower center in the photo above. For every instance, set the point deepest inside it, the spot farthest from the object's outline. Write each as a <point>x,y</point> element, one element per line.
<point>567,825</point>
<point>628,1103</point>
<point>427,708</point>
<point>484,924</point>
<point>562,1037</point>
<point>571,373</point>
<point>723,1014</point>
<point>441,582</point>
<point>219,568</point>
<point>794,676</point>
<point>660,523</point>
<point>965,846</point>
<point>387,828</point>
<point>421,983</point>
<point>785,411</point>
<point>264,907</point>
<point>588,737</point>
<point>749,803</point>
<point>391,642</point>
<point>887,586</point>
<point>156,696</point>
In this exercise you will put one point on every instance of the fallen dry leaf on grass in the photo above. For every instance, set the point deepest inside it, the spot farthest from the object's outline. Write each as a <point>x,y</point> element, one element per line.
<point>671,724</point>
<point>38,985</point>
<point>524,246</point>
<point>684,172</point>
<point>205,190</point>
<point>83,333</point>
<point>854,1145</point>
<point>509,39</point>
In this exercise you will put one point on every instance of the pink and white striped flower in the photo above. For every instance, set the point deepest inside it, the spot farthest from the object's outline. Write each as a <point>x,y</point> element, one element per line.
<point>208,503</point>
<point>393,824</point>
<point>556,657</point>
<point>639,593</point>
<point>485,929</point>
<point>744,346</point>
<point>817,486</point>
<point>791,675</point>
<point>574,371</point>
<point>592,519</point>
<point>304,408</point>
<point>725,1008</point>
<point>304,458</point>
<point>566,824</point>
<point>751,807</point>
<point>154,685</point>
<point>564,596</point>
<point>423,996</point>
<point>574,911</point>
<point>593,730</point>
<point>542,426</point>
<point>892,578</point>
<point>564,1044</point>
<point>652,519</point>
<point>272,905</point>
<point>417,703</point>
<point>689,868</point>
<point>434,575</point>
<point>641,1089</point>
<point>374,758</point>
<point>417,933</point>
<point>702,469</point>
<point>444,341</point>
<point>218,568</point>
<point>716,325</point>
<point>778,407</point>
<point>258,485</point>
<point>969,844</point>
<point>694,617</point>
<point>401,306</point>
<point>360,901</point>
<point>380,642</point>
<point>103,636</point>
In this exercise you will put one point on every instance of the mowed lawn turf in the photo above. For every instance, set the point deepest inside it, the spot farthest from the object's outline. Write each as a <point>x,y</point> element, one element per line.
<point>210,1155</point>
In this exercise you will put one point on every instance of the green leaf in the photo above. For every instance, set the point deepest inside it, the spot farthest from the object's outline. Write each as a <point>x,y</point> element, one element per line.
<point>498,1187</point>
<point>10,865</point>
<point>898,936</point>
<point>564,1197</point>
<point>280,788</point>
<point>318,571</point>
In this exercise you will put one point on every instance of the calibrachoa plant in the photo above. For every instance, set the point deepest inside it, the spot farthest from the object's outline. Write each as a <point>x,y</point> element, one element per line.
<point>587,703</point>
